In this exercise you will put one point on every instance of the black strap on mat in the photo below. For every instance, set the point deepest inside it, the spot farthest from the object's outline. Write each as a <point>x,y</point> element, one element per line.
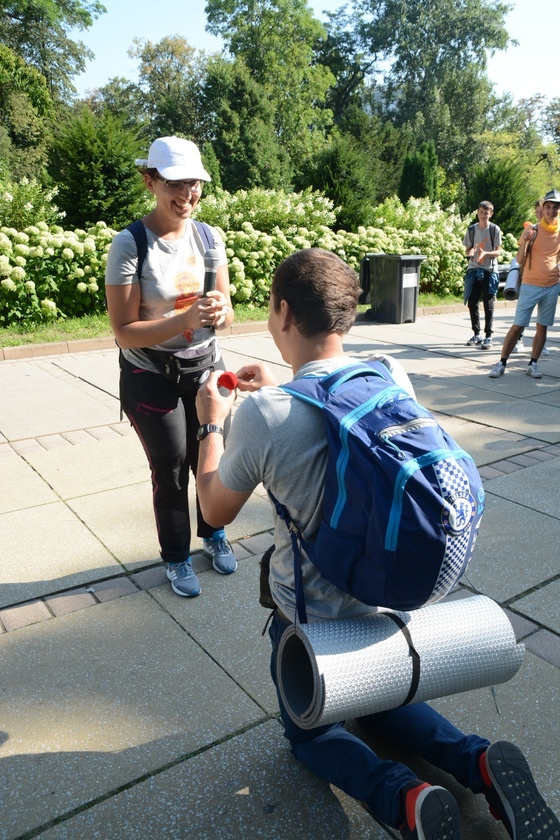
<point>415,657</point>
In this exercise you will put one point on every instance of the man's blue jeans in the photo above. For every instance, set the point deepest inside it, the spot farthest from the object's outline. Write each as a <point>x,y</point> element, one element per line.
<point>344,760</point>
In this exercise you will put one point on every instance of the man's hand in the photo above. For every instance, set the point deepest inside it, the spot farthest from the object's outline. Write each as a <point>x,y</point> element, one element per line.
<point>254,376</point>
<point>211,405</point>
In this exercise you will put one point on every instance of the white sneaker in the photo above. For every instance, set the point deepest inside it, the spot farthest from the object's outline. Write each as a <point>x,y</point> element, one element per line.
<point>517,348</point>
<point>545,351</point>
<point>474,339</point>
<point>498,370</point>
<point>534,371</point>
<point>486,344</point>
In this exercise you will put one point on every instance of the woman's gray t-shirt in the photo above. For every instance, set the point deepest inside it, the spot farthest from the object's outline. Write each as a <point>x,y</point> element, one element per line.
<point>172,277</point>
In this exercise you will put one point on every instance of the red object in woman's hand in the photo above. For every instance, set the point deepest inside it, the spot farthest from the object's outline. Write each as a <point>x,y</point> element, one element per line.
<point>227,380</point>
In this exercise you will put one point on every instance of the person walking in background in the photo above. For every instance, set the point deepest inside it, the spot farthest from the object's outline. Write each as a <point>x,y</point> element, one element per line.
<point>483,241</point>
<point>538,254</point>
<point>165,329</point>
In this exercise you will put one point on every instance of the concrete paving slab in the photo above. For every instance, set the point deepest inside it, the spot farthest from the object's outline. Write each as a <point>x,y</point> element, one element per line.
<point>543,605</point>
<point>434,391</point>
<point>114,692</point>
<point>99,368</point>
<point>514,382</point>
<point>93,466</point>
<point>535,487</point>
<point>123,519</point>
<point>48,548</point>
<point>35,402</point>
<point>485,444</point>
<point>22,486</point>
<point>518,555</point>
<point>524,418</point>
<point>247,787</point>
<point>230,602</point>
<point>551,397</point>
<point>545,645</point>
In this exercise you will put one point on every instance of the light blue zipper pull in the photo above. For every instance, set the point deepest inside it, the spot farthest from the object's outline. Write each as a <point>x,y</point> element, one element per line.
<point>389,442</point>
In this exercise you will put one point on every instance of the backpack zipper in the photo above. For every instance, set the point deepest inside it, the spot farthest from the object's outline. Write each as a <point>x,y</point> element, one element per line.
<point>401,429</point>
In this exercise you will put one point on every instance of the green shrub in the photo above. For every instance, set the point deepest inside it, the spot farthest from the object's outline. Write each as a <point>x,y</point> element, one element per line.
<point>47,272</point>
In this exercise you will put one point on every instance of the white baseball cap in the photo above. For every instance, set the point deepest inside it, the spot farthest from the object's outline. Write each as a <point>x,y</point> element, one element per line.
<point>175,159</point>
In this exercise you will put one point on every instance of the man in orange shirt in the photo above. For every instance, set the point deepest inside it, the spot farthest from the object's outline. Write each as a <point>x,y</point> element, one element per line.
<point>539,252</point>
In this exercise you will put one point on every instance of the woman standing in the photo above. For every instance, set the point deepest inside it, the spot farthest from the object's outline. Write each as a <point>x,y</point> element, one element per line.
<point>165,328</point>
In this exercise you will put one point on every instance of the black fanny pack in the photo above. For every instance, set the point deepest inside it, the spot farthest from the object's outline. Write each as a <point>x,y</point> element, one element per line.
<point>174,367</point>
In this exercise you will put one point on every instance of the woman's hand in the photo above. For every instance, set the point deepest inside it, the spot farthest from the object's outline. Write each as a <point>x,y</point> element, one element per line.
<point>204,311</point>
<point>220,307</point>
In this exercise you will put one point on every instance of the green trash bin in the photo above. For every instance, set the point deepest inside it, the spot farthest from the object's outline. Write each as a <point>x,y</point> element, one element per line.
<point>394,281</point>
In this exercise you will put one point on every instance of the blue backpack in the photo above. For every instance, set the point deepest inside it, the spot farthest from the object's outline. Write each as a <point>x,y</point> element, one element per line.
<point>402,501</point>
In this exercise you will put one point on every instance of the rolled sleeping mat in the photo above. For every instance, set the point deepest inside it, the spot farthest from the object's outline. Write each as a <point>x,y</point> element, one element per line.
<point>329,671</point>
<point>511,288</point>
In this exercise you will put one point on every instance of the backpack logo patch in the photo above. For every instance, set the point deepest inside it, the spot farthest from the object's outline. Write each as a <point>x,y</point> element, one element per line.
<point>459,514</point>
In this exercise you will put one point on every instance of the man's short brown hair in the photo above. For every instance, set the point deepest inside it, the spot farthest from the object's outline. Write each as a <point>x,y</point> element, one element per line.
<point>321,290</point>
<point>487,205</point>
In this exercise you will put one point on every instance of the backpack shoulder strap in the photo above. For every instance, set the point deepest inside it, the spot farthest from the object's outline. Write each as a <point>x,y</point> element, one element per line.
<point>492,233</point>
<point>470,231</point>
<point>138,231</point>
<point>316,389</point>
<point>206,234</point>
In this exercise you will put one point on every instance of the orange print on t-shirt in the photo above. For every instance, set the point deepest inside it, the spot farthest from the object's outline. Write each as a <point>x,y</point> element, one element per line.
<point>187,285</point>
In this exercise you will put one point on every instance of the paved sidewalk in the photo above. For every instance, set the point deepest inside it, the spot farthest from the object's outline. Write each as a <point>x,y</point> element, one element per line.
<point>128,712</point>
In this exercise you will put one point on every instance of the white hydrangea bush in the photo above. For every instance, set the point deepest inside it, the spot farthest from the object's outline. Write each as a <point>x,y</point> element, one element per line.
<point>47,272</point>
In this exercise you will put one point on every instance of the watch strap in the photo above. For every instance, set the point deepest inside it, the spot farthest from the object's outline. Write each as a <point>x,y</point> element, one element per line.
<point>205,429</point>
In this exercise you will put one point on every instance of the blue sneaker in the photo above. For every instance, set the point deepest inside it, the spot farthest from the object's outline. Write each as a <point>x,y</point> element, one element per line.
<point>183,580</point>
<point>219,549</point>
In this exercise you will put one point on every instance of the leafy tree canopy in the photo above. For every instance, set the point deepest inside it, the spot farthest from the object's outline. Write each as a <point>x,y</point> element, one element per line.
<point>37,30</point>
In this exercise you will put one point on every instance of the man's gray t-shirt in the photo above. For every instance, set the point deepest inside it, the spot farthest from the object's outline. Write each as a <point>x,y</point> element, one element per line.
<point>280,440</point>
<point>482,237</point>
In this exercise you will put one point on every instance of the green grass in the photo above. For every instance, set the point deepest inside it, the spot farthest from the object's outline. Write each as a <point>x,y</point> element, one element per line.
<point>96,326</point>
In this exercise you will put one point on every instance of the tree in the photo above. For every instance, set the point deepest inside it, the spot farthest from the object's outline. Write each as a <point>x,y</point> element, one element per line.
<point>25,105</point>
<point>123,99</point>
<point>346,174</point>
<point>423,62</point>
<point>276,40</point>
<point>37,31</point>
<point>171,78</point>
<point>92,163</point>
<point>242,130</point>
<point>420,174</point>
<point>551,121</point>
<point>505,185</point>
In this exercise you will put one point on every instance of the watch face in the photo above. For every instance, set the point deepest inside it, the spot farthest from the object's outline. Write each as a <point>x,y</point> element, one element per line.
<point>202,432</point>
